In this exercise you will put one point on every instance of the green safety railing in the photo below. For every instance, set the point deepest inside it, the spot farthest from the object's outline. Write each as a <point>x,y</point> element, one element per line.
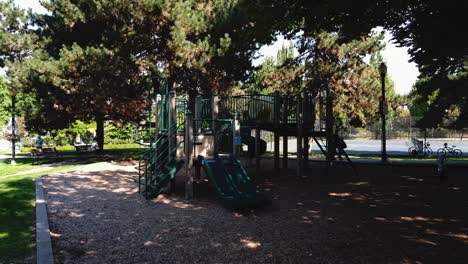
<point>289,105</point>
<point>206,114</point>
<point>181,109</point>
<point>224,133</point>
<point>155,159</point>
<point>253,108</point>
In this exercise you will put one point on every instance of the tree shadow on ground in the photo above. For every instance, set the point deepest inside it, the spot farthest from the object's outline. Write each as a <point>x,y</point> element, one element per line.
<point>386,215</point>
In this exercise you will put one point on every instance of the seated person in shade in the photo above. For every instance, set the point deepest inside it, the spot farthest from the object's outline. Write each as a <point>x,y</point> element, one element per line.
<point>39,142</point>
<point>94,144</point>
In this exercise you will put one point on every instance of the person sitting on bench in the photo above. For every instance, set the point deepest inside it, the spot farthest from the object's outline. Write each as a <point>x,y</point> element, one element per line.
<point>39,142</point>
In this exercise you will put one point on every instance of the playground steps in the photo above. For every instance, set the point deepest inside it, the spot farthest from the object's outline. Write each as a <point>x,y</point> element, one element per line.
<point>158,167</point>
<point>160,182</point>
<point>153,182</point>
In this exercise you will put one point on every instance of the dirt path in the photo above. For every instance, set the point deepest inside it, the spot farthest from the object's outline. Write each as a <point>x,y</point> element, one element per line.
<point>97,216</point>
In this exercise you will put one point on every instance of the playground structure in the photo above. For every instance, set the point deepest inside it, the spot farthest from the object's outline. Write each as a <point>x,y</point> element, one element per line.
<point>194,133</point>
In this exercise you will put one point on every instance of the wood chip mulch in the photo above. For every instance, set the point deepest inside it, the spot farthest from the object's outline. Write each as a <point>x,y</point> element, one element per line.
<point>97,216</point>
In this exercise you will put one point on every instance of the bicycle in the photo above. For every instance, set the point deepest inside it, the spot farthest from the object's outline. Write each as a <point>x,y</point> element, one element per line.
<point>449,150</point>
<point>419,147</point>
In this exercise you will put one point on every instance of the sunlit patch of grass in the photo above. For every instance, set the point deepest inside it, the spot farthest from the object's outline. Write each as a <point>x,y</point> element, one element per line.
<point>7,169</point>
<point>17,215</point>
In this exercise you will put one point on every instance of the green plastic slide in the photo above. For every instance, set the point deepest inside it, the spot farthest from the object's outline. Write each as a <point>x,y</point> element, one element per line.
<point>233,184</point>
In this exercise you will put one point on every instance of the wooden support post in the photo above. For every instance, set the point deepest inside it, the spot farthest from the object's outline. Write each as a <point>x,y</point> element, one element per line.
<point>257,148</point>
<point>188,155</point>
<point>198,114</point>
<point>306,150</point>
<point>285,138</point>
<point>305,110</point>
<point>237,143</point>
<point>331,144</point>
<point>214,117</point>
<point>321,111</point>
<point>157,115</point>
<point>307,115</point>
<point>197,130</point>
<point>299,137</point>
<point>171,132</point>
<point>276,122</point>
<point>172,120</point>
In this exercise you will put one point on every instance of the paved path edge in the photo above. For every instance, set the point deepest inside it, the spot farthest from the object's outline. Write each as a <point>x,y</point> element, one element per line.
<point>43,242</point>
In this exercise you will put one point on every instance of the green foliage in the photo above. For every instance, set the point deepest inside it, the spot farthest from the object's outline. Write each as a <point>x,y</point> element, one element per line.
<point>442,100</point>
<point>114,134</point>
<point>93,56</point>
<point>433,30</point>
<point>66,136</point>
<point>15,41</point>
<point>282,74</point>
<point>60,137</point>
<point>256,86</point>
<point>337,66</point>
<point>20,130</point>
<point>5,103</point>
<point>90,58</point>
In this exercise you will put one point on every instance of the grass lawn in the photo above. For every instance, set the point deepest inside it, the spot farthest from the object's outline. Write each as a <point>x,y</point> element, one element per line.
<point>17,215</point>
<point>70,148</point>
<point>21,165</point>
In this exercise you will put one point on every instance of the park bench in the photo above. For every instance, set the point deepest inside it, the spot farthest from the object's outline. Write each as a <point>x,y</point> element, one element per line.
<point>86,147</point>
<point>38,154</point>
<point>82,147</point>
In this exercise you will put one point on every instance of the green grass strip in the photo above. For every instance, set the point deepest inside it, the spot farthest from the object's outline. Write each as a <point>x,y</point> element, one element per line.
<point>17,195</point>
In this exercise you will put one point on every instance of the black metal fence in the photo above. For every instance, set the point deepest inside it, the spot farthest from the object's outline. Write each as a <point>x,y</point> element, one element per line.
<point>400,127</point>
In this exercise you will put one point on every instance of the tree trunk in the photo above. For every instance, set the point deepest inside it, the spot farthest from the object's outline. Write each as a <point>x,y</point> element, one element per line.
<point>100,130</point>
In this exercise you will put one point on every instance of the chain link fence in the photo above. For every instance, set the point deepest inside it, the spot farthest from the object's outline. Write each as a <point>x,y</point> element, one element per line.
<point>400,128</point>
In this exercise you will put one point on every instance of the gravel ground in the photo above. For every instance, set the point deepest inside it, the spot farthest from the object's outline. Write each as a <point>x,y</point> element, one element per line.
<point>387,215</point>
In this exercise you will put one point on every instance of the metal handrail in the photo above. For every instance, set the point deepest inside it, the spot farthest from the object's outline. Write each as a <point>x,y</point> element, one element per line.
<point>158,168</point>
<point>154,157</point>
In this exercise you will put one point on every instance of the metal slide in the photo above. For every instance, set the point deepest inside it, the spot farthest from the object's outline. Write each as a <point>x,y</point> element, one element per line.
<point>232,183</point>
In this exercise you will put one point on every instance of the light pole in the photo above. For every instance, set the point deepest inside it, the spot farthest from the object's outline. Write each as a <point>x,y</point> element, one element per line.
<point>13,130</point>
<point>383,105</point>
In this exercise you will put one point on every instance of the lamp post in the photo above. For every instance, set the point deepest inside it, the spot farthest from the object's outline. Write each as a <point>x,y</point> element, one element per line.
<point>383,73</point>
<point>13,130</point>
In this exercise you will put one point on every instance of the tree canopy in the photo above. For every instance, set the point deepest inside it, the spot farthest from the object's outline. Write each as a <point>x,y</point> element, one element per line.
<point>93,58</point>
